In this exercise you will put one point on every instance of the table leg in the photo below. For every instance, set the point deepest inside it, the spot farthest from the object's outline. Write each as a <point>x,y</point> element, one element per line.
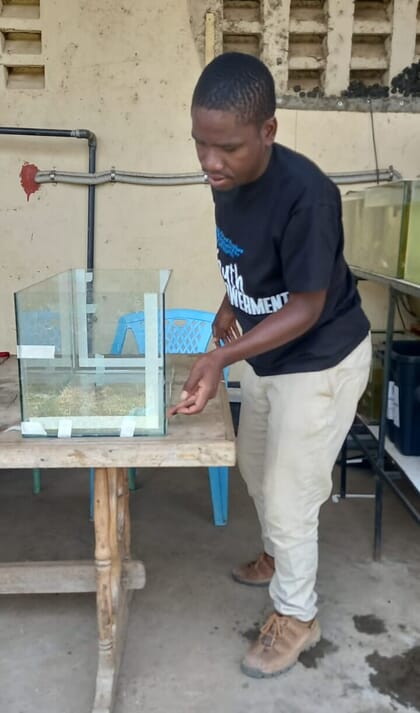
<point>112,533</point>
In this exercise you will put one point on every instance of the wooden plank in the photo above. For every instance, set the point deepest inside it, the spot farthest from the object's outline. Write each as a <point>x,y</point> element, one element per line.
<point>61,577</point>
<point>126,453</point>
<point>203,440</point>
<point>209,37</point>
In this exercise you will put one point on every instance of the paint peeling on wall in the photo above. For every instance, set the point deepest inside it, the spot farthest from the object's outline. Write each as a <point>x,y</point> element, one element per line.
<point>27,179</point>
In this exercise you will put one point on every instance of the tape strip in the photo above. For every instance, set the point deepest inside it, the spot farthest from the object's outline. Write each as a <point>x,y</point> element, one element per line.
<point>32,428</point>
<point>128,426</point>
<point>35,351</point>
<point>64,428</point>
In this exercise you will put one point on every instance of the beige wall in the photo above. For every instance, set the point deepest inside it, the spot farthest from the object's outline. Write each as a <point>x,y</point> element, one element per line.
<point>126,71</point>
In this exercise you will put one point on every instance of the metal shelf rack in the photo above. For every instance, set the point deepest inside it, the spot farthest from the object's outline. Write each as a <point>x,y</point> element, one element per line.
<point>387,463</point>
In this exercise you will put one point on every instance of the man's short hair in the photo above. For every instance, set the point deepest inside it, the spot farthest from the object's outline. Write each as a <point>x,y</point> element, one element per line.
<point>238,83</point>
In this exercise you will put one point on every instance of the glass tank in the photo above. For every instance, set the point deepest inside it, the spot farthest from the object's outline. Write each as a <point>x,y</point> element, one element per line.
<point>412,249</point>
<point>381,229</point>
<point>90,347</point>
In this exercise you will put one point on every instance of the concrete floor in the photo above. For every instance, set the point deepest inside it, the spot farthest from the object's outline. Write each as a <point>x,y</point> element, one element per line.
<point>190,626</point>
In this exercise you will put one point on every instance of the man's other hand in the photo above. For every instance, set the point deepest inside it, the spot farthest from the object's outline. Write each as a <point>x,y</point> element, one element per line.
<point>201,385</point>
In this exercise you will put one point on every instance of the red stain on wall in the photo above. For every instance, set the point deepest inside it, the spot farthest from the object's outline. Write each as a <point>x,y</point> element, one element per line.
<point>27,179</point>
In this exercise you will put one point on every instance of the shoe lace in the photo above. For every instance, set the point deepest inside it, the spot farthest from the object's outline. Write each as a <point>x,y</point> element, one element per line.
<point>258,561</point>
<point>272,629</point>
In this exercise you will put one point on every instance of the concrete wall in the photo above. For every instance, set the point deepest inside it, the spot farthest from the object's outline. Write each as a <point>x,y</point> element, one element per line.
<point>126,71</point>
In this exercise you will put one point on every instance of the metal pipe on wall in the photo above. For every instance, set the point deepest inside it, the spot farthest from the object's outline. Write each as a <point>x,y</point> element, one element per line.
<point>383,174</point>
<point>114,176</point>
<point>184,179</point>
<point>90,137</point>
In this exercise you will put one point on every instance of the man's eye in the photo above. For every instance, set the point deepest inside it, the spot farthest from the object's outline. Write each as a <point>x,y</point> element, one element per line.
<point>229,149</point>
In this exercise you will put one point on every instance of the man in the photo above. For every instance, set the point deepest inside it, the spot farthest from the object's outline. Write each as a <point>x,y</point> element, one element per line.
<point>305,338</point>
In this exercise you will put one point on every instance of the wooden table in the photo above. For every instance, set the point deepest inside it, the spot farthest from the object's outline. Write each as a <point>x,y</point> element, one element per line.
<point>203,440</point>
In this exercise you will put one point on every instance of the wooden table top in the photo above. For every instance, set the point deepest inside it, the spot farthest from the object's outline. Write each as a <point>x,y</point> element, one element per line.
<point>206,439</point>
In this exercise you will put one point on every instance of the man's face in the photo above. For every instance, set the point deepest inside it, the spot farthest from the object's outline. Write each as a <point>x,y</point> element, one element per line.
<point>231,153</point>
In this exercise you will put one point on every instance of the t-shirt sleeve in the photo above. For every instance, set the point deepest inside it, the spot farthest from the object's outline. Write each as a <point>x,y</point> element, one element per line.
<point>309,247</point>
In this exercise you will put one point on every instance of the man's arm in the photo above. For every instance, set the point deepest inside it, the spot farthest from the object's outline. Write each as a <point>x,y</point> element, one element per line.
<point>301,312</point>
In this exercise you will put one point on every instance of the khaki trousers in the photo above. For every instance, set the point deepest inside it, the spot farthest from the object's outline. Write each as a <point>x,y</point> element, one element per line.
<point>291,429</point>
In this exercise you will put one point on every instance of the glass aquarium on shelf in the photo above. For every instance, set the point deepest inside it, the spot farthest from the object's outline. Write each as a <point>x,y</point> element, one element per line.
<point>90,347</point>
<point>412,252</point>
<point>381,229</point>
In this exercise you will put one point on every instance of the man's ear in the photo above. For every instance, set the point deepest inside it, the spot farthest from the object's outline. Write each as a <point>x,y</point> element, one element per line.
<point>269,130</point>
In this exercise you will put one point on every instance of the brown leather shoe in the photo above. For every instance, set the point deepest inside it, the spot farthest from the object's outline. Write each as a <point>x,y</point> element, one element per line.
<point>280,643</point>
<point>257,573</point>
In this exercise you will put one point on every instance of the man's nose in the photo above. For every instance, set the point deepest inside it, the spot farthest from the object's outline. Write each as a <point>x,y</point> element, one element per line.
<point>211,161</point>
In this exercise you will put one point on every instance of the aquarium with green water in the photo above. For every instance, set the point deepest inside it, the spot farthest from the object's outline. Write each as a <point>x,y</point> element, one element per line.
<point>382,229</point>
<point>91,354</point>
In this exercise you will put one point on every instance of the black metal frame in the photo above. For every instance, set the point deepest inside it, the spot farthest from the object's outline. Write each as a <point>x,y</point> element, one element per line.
<point>376,455</point>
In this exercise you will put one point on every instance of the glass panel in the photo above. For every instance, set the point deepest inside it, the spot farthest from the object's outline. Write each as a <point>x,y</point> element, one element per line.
<point>381,228</point>
<point>370,404</point>
<point>373,228</point>
<point>412,257</point>
<point>91,353</point>
<point>352,216</point>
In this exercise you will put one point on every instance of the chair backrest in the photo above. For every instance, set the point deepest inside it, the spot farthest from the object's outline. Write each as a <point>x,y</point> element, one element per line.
<point>187,331</point>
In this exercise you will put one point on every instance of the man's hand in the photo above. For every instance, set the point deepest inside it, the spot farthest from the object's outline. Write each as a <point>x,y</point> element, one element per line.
<point>301,313</point>
<point>225,327</point>
<point>201,385</point>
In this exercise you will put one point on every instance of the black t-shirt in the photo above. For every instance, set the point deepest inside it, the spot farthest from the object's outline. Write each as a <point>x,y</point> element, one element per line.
<point>283,234</point>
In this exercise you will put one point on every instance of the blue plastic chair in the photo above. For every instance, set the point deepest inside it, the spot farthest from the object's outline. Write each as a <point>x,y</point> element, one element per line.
<point>187,331</point>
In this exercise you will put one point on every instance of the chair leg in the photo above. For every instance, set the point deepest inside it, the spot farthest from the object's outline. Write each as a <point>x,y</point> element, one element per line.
<point>131,478</point>
<point>91,493</point>
<point>219,488</point>
<point>36,481</point>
